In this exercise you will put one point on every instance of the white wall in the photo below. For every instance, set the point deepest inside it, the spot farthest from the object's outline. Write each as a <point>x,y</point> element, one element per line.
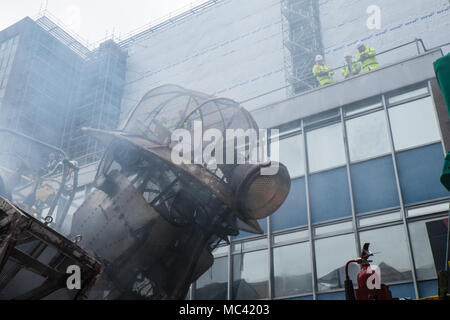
<point>232,49</point>
<point>344,25</point>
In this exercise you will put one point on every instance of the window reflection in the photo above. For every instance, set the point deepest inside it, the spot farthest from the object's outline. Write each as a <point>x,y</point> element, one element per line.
<point>212,285</point>
<point>7,55</point>
<point>367,221</point>
<point>423,257</point>
<point>333,228</point>
<point>290,154</point>
<point>292,269</point>
<point>442,207</point>
<point>250,275</point>
<point>408,95</point>
<point>221,250</point>
<point>325,148</point>
<point>248,245</point>
<point>290,236</point>
<point>414,124</point>
<point>367,136</point>
<point>363,107</point>
<point>331,256</point>
<point>390,252</point>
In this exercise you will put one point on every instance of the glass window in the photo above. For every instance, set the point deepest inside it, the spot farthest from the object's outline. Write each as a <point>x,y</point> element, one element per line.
<point>423,255</point>
<point>414,124</point>
<point>428,288</point>
<point>299,235</point>
<point>420,171</point>
<point>293,211</point>
<point>408,95</point>
<point>363,107</point>
<point>250,275</point>
<point>322,118</point>
<point>325,148</point>
<point>7,55</point>
<point>367,136</point>
<point>219,251</point>
<point>370,221</point>
<point>287,128</point>
<point>212,285</point>
<point>243,234</point>
<point>248,245</point>
<point>331,256</point>
<point>329,195</point>
<point>345,226</point>
<point>374,185</point>
<point>290,154</point>
<point>405,291</point>
<point>390,252</point>
<point>332,296</point>
<point>292,269</point>
<point>428,210</point>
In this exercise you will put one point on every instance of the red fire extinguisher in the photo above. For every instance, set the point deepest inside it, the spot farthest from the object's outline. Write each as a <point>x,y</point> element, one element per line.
<point>369,286</point>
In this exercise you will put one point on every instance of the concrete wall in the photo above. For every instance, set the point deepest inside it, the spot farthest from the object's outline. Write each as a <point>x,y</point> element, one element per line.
<point>233,49</point>
<point>387,78</point>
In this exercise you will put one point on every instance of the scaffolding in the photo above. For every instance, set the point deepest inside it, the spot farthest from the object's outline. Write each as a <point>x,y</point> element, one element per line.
<point>71,41</point>
<point>99,97</point>
<point>302,42</point>
<point>55,87</point>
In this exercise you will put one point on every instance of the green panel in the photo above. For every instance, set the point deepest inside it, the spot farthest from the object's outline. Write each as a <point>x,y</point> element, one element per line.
<point>442,69</point>
<point>445,178</point>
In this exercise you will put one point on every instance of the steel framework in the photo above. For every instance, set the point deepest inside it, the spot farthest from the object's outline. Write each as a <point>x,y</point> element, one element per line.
<point>302,42</point>
<point>34,259</point>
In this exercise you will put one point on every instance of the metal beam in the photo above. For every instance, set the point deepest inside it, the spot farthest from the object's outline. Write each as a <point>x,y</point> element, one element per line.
<point>34,265</point>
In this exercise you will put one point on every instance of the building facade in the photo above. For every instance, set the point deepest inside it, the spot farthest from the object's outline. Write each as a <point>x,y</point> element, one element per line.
<point>364,154</point>
<point>99,96</point>
<point>51,86</point>
<point>364,168</point>
<point>225,48</point>
<point>39,75</point>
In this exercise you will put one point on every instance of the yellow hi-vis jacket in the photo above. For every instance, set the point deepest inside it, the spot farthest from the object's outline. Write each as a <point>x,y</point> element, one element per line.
<point>324,77</point>
<point>368,59</point>
<point>356,69</point>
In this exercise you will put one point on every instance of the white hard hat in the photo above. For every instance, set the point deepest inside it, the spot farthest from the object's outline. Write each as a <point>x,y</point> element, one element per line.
<point>319,58</point>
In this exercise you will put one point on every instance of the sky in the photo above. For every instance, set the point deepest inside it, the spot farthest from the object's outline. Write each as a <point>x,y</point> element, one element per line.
<point>93,20</point>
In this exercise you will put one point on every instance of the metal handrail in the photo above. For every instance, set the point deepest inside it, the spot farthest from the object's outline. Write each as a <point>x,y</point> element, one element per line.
<point>416,41</point>
<point>34,140</point>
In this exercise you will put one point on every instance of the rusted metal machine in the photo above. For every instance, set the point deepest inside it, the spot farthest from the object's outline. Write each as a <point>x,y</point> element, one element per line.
<point>34,202</point>
<point>153,223</point>
<point>34,259</point>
